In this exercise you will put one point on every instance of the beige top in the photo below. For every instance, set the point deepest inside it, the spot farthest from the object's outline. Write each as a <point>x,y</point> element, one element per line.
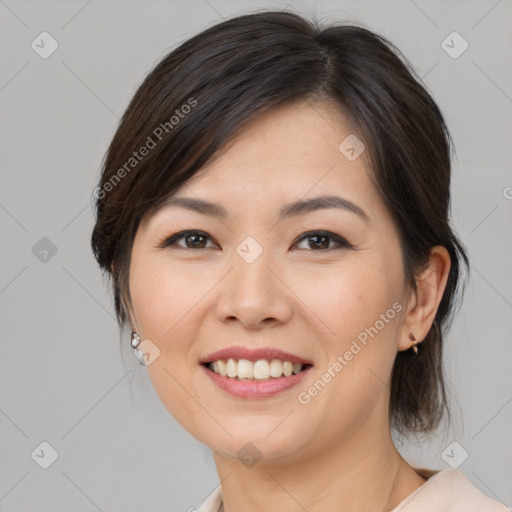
<point>447,490</point>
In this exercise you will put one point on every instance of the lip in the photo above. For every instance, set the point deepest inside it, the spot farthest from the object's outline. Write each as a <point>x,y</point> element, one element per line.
<point>253,388</point>
<point>237,352</point>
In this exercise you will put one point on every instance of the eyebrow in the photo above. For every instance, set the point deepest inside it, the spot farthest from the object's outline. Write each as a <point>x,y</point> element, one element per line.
<point>294,209</point>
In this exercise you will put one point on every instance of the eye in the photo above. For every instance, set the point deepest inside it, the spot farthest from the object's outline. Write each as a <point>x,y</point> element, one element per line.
<point>317,240</point>
<point>193,240</point>
<point>320,240</point>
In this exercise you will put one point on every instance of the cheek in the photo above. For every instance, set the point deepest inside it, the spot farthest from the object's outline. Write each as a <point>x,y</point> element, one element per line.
<point>346,298</point>
<point>164,300</point>
<point>356,310</point>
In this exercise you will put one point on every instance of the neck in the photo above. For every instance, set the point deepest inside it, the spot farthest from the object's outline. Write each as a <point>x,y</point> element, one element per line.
<point>365,474</point>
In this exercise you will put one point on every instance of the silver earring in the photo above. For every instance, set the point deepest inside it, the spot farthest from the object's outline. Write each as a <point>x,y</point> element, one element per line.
<point>135,342</point>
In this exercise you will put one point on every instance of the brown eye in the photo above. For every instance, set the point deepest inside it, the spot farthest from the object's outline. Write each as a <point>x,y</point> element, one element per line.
<point>193,240</point>
<point>320,240</point>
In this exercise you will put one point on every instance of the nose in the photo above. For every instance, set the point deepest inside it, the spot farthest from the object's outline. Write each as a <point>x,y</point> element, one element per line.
<point>254,295</point>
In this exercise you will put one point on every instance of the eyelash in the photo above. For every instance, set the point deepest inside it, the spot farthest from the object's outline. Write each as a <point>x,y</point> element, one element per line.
<point>342,243</point>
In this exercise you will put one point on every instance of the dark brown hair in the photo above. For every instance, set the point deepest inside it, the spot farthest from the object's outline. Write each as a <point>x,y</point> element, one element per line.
<point>211,86</point>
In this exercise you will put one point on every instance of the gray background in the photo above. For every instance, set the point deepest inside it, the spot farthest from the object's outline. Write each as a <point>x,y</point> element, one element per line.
<point>64,379</point>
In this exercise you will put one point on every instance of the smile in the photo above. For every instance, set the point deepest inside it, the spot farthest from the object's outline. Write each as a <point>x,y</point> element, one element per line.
<point>259,379</point>
<point>243,369</point>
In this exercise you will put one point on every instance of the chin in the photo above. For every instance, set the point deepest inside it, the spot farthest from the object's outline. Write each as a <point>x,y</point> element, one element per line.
<point>263,441</point>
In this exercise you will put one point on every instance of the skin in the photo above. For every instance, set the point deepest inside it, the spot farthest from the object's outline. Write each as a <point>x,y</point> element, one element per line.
<point>336,452</point>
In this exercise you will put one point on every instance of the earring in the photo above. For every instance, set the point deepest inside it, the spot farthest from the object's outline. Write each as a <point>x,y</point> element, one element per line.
<point>415,345</point>
<point>135,342</point>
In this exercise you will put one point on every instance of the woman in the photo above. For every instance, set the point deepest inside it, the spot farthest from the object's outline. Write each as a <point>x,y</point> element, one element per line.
<point>274,214</point>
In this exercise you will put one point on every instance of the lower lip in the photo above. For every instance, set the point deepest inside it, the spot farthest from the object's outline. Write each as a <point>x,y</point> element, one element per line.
<point>255,388</point>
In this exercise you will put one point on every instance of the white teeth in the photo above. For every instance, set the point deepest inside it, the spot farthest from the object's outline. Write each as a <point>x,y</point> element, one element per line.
<point>262,369</point>
<point>245,369</point>
<point>231,368</point>
<point>221,365</point>
<point>287,368</point>
<point>276,368</point>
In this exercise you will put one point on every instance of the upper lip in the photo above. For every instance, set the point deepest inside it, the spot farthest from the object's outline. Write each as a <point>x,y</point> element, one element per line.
<point>237,352</point>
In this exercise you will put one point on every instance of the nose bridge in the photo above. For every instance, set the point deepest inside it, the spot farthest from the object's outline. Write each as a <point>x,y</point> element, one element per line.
<point>251,274</point>
<point>254,294</point>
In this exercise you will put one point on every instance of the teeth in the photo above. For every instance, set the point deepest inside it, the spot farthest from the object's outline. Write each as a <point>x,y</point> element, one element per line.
<point>261,370</point>
<point>231,368</point>
<point>243,369</point>
<point>276,368</point>
<point>221,366</point>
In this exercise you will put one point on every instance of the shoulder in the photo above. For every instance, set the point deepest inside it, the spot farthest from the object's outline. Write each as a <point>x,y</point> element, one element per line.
<point>448,490</point>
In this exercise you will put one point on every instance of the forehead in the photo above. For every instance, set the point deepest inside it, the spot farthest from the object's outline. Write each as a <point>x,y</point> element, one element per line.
<point>292,153</point>
<point>290,150</point>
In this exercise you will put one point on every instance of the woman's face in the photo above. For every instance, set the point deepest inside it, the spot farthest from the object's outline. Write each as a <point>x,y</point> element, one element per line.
<point>257,279</point>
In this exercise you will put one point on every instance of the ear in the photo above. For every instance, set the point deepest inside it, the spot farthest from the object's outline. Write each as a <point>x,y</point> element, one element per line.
<point>423,304</point>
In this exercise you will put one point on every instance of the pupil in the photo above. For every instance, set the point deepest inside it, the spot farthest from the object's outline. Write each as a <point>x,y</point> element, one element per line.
<point>193,244</point>
<point>321,245</point>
